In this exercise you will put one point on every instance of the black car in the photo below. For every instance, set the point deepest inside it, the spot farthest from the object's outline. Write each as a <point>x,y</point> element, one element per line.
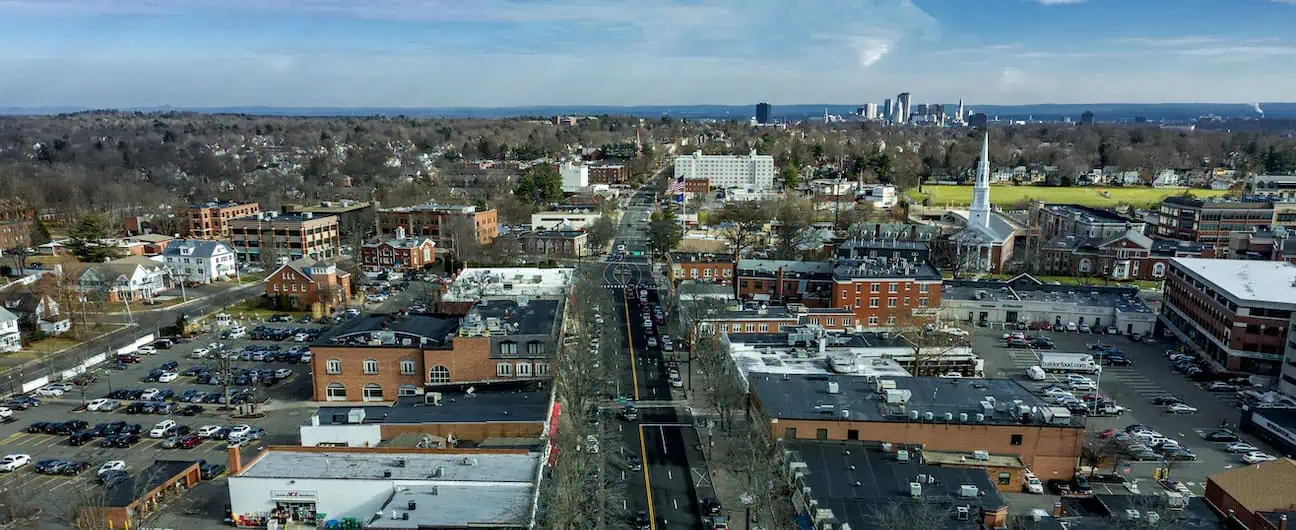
<point>169,365</point>
<point>39,427</point>
<point>634,463</point>
<point>71,467</point>
<point>1080,485</point>
<point>1178,454</point>
<point>120,440</point>
<point>81,438</point>
<point>46,467</point>
<point>642,521</point>
<point>176,430</point>
<point>211,471</point>
<point>1115,360</point>
<point>23,403</point>
<point>1222,435</point>
<point>131,428</point>
<point>112,478</point>
<point>710,507</point>
<point>190,410</point>
<point>1166,400</point>
<point>69,427</point>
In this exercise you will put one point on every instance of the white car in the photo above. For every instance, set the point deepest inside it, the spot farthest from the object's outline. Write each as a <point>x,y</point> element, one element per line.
<point>1254,457</point>
<point>159,430</point>
<point>591,444</point>
<point>112,465</point>
<point>6,412</point>
<point>1088,386</point>
<point>13,462</point>
<point>240,431</point>
<point>146,350</point>
<point>200,353</point>
<point>207,431</point>
<point>652,343</point>
<point>1072,378</point>
<point>301,337</point>
<point>1180,408</point>
<point>49,392</point>
<point>150,394</point>
<point>1241,447</point>
<point>102,405</point>
<point>282,373</point>
<point>957,332</point>
<point>1071,326</point>
<point>168,377</point>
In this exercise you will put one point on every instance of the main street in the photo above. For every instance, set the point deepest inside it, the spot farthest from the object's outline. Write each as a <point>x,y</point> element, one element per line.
<point>674,476</point>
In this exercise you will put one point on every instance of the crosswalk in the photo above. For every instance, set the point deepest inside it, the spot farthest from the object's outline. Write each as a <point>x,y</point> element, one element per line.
<point>1126,381</point>
<point>628,285</point>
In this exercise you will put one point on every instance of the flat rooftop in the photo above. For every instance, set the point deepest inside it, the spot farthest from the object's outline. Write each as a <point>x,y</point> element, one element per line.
<point>432,207</point>
<point>391,330</point>
<point>883,268</point>
<point>510,317</point>
<point>455,507</point>
<point>887,244</point>
<point>790,268</point>
<point>782,359</point>
<point>287,462</point>
<point>473,284</point>
<point>1087,213</point>
<point>1121,299</point>
<point>486,406</point>
<point>1096,512</point>
<point>808,397</point>
<point>1272,282</point>
<point>140,483</point>
<point>854,479</point>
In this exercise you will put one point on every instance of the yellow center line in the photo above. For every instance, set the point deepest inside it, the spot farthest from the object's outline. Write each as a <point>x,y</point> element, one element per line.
<point>643,451</point>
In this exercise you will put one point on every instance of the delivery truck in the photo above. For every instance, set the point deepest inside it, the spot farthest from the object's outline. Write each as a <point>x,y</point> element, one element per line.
<point>1057,362</point>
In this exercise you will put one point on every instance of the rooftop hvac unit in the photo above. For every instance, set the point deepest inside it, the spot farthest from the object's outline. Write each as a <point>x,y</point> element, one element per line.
<point>980,418</point>
<point>844,414</point>
<point>400,462</point>
<point>834,388</point>
<point>913,415</point>
<point>902,455</point>
<point>964,513</point>
<point>963,417</point>
<point>929,416</point>
<point>1152,518</point>
<point>1132,514</point>
<point>897,396</point>
<point>949,417</point>
<point>411,505</point>
<point>468,461</point>
<point>404,516</point>
<point>387,473</point>
<point>967,490</point>
<point>887,384</point>
<point>987,407</point>
<point>983,456</point>
<point>915,489</point>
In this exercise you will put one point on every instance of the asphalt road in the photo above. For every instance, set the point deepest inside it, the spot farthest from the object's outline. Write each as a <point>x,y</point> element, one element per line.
<point>674,473</point>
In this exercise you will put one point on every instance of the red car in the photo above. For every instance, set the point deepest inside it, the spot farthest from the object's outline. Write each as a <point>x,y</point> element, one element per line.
<point>189,441</point>
<point>1108,433</point>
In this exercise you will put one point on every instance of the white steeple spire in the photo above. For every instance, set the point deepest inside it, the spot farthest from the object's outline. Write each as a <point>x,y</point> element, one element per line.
<point>979,212</point>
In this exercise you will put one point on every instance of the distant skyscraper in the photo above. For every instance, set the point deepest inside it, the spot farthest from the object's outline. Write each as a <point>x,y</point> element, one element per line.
<point>763,113</point>
<point>922,109</point>
<point>1087,118</point>
<point>902,104</point>
<point>887,110</point>
<point>978,120</point>
<point>870,111</point>
<point>958,114</point>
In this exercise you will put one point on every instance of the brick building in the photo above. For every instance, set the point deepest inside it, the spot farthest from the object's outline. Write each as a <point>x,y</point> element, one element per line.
<point>400,253</point>
<point>1056,220</point>
<point>1258,497</point>
<point>786,281</point>
<point>886,293</point>
<point>1015,429</point>
<point>695,187</point>
<point>1234,313</point>
<point>609,174</point>
<point>701,266</point>
<point>212,220</point>
<point>16,222</point>
<point>304,282</point>
<point>381,357</point>
<point>286,237</point>
<point>554,243</point>
<point>436,220</point>
<point>346,210</point>
<point>1211,221</point>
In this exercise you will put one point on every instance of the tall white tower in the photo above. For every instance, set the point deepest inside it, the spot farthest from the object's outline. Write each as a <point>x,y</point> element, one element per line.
<point>958,115</point>
<point>979,213</point>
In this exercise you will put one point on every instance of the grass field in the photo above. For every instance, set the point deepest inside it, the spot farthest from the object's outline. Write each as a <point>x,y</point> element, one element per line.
<point>943,195</point>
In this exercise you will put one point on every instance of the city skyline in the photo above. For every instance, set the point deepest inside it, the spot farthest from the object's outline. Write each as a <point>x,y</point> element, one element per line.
<point>488,53</point>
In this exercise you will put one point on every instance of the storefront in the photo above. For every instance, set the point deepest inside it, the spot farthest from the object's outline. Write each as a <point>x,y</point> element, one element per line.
<point>294,506</point>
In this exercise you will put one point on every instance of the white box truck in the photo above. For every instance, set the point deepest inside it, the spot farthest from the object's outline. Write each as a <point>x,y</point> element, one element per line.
<point>1069,362</point>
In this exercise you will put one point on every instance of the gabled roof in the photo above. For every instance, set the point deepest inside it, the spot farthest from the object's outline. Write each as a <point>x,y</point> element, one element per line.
<point>23,302</point>
<point>201,248</point>
<point>6,316</point>
<point>302,266</point>
<point>1134,236</point>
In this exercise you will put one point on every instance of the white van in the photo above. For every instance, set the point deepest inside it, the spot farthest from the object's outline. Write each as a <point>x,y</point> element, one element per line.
<point>1036,373</point>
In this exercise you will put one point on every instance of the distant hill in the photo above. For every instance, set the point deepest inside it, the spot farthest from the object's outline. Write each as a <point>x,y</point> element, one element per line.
<point>1155,112</point>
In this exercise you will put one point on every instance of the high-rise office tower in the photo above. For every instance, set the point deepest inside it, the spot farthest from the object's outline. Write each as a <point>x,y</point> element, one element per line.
<point>763,113</point>
<point>958,114</point>
<point>1087,118</point>
<point>902,102</point>
<point>870,111</point>
<point>887,110</point>
<point>922,109</point>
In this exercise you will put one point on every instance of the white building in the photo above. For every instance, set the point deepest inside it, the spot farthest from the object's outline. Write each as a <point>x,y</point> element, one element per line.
<point>870,111</point>
<point>563,220</point>
<point>1166,178</point>
<point>10,337</point>
<point>1026,299</point>
<point>1277,187</point>
<point>199,261</point>
<point>750,172</point>
<point>575,177</point>
<point>389,488</point>
<point>133,278</point>
<point>881,196</point>
<point>473,284</point>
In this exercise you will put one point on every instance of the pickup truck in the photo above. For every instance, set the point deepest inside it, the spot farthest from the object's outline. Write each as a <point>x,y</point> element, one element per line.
<point>1108,409</point>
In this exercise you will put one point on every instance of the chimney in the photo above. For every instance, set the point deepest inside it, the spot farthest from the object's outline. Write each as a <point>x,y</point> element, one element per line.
<point>1282,522</point>
<point>399,233</point>
<point>235,465</point>
<point>1057,509</point>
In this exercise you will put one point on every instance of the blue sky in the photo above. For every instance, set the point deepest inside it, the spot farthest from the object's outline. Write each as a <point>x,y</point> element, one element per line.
<point>121,53</point>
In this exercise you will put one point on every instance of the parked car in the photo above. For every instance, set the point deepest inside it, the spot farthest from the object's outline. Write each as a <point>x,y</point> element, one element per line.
<point>1180,408</point>
<point>1254,457</point>
<point>111,465</point>
<point>102,405</point>
<point>160,430</point>
<point>1241,448</point>
<point>12,462</point>
<point>1221,435</point>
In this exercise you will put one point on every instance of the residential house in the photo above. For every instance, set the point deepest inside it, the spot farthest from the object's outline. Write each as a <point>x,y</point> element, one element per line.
<point>703,266</point>
<point>38,311</point>
<point>10,337</point>
<point>199,261</point>
<point>1166,178</point>
<point>129,279</point>
<point>300,284</point>
<point>1129,178</point>
<point>399,253</point>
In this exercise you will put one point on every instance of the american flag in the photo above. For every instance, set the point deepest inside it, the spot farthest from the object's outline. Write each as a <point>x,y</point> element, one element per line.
<point>676,186</point>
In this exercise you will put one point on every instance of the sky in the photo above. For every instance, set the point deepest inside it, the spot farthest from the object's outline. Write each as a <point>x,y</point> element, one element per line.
<point>441,53</point>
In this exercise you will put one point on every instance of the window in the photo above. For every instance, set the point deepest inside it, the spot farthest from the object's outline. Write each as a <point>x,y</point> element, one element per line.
<point>504,369</point>
<point>372,392</point>
<point>439,374</point>
<point>535,348</point>
<point>789,433</point>
<point>407,390</point>
<point>1158,270</point>
<point>922,287</point>
<point>821,434</point>
<point>891,302</point>
<point>875,288</point>
<point>873,302</point>
<point>843,294</point>
<point>371,366</point>
<point>872,321</point>
<point>858,286</point>
<point>508,348</point>
<point>407,367</point>
<point>524,369</point>
<point>1015,439</point>
<point>922,302</point>
<point>763,327</point>
<point>891,288</point>
<point>890,321</point>
<point>1005,479</point>
<point>541,369</point>
<point>333,366</point>
<point>852,434</point>
<point>737,327</point>
<point>335,392</point>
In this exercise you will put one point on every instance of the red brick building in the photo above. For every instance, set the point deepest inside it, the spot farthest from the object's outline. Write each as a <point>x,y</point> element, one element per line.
<point>610,174</point>
<point>701,266</point>
<point>879,293</point>
<point>1127,256</point>
<point>399,253</point>
<point>212,220</point>
<point>775,319</point>
<point>697,186</point>
<point>786,281</point>
<point>380,357</point>
<point>436,221</point>
<point>302,283</point>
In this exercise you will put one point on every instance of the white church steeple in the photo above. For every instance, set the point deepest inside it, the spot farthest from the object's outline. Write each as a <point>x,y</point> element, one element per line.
<point>979,213</point>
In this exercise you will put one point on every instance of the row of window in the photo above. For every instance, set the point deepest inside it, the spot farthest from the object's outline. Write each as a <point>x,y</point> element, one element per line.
<point>370,392</point>
<point>441,374</point>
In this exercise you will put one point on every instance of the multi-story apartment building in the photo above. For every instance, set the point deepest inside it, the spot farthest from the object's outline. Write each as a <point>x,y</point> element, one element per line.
<point>435,221</point>
<point>786,281</point>
<point>716,268</point>
<point>346,211</point>
<point>1056,220</point>
<point>1276,187</point>
<point>380,357</point>
<point>1211,222</point>
<point>887,292</point>
<point>1235,313</point>
<point>399,253</point>
<point>284,237</point>
<point>609,174</point>
<point>212,220</point>
<point>16,220</point>
<point>749,172</point>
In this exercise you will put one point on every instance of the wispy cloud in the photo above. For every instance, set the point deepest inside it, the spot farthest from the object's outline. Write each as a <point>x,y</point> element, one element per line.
<point>1059,2</point>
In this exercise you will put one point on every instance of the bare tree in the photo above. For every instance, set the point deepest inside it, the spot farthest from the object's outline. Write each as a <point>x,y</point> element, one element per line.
<point>931,347</point>
<point>919,514</point>
<point>743,227</point>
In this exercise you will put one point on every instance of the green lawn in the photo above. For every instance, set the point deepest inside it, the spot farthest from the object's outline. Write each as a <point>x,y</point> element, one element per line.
<point>1071,280</point>
<point>943,195</point>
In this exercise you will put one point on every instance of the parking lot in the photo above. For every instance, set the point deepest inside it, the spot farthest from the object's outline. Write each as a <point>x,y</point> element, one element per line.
<point>1134,387</point>
<point>279,413</point>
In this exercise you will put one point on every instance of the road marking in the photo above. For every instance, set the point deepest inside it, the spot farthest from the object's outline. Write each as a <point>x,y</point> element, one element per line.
<point>643,450</point>
<point>669,475</point>
<point>675,503</point>
<point>634,374</point>
<point>661,431</point>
